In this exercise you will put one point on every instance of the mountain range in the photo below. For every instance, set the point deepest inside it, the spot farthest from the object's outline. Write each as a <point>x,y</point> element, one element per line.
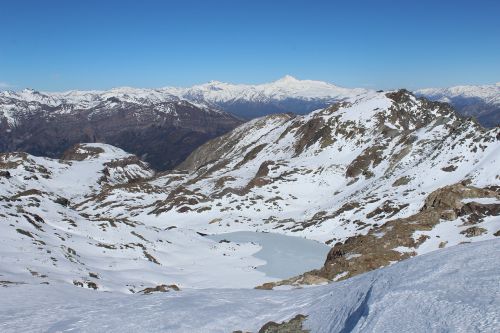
<point>363,184</point>
<point>163,126</point>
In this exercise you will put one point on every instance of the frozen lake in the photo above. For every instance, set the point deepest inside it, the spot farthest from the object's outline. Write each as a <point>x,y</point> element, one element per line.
<point>285,256</point>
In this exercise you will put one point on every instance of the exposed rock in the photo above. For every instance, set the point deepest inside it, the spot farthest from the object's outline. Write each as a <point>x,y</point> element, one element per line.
<point>5,174</point>
<point>376,249</point>
<point>251,155</point>
<point>473,231</point>
<point>294,325</point>
<point>163,288</point>
<point>81,152</point>
<point>315,130</point>
<point>371,157</point>
<point>62,201</point>
<point>298,281</point>
<point>401,181</point>
<point>449,168</point>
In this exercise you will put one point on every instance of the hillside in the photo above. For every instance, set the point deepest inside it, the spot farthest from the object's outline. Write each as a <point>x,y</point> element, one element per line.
<point>163,126</point>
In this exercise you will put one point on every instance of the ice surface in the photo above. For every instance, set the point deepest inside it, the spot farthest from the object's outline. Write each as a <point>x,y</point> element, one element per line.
<point>285,256</point>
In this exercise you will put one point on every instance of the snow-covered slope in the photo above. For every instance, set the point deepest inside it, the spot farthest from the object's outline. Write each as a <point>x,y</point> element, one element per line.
<point>335,175</point>
<point>482,102</point>
<point>46,238</point>
<point>454,290</point>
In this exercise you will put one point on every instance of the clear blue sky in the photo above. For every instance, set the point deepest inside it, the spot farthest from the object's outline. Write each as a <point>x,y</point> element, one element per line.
<point>88,44</point>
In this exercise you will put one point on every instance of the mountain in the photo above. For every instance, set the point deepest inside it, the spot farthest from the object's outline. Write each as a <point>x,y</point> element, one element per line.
<point>482,102</point>
<point>161,128</point>
<point>378,178</point>
<point>287,94</point>
<point>453,290</point>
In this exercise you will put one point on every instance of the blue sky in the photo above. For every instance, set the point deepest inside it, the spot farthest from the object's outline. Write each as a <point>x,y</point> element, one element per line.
<point>62,45</point>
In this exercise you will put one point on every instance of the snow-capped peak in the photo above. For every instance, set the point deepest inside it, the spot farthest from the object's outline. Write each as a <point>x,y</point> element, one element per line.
<point>285,79</point>
<point>287,87</point>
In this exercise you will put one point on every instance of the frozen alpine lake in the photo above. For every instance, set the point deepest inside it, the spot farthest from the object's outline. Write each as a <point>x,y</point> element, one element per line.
<point>285,256</point>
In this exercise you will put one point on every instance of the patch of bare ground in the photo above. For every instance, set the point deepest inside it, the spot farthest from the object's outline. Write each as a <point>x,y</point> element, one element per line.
<point>80,152</point>
<point>181,199</point>
<point>293,325</point>
<point>163,288</point>
<point>4,283</point>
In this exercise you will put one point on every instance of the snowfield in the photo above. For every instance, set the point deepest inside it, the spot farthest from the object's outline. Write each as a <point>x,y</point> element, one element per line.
<point>453,290</point>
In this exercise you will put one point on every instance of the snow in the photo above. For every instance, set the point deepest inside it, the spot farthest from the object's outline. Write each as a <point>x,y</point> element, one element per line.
<point>216,95</point>
<point>111,225</point>
<point>453,290</point>
<point>484,201</point>
<point>284,88</point>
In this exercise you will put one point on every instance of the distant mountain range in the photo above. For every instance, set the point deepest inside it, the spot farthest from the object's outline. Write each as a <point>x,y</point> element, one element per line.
<point>481,102</point>
<point>287,94</point>
<point>163,126</point>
